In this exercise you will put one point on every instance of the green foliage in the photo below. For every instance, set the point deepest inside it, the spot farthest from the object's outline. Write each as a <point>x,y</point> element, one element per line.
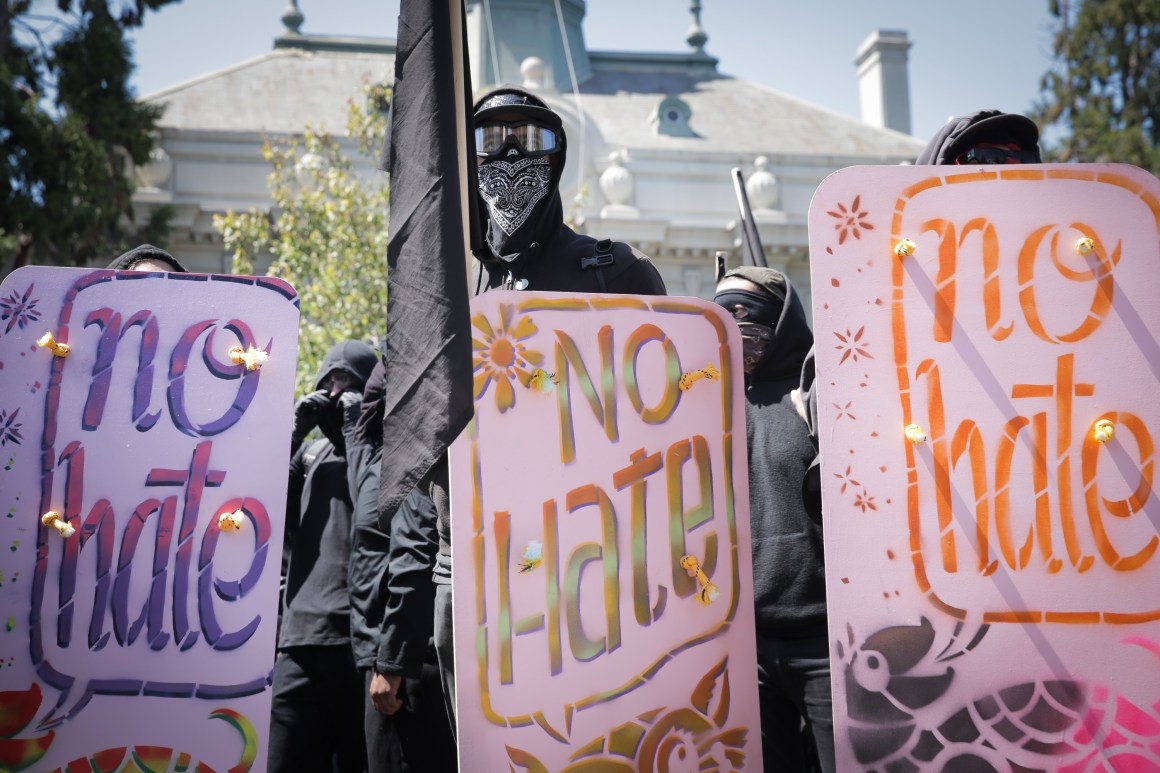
<point>69,128</point>
<point>327,231</point>
<point>1104,91</point>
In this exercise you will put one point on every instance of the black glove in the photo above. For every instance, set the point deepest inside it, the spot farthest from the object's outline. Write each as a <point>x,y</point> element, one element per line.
<point>307,412</point>
<point>350,403</point>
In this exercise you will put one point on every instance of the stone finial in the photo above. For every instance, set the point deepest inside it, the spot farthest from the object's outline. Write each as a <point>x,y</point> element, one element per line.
<point>616,182</point>
<point>155,173</point>
<point>292,18</point>
<point>532,72</point>
<point>696,37</point>
<point>762,187</point>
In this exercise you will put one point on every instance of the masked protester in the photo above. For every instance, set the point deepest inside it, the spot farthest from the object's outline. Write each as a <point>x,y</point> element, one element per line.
<point>520,150</point>
<point>316,717</point>
<point>789,588</point>
<point>984,137</point>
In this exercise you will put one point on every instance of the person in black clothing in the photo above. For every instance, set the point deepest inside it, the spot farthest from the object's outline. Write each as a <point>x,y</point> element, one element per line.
<point>392,600</point>
<point>316,716</point>
<point>789,587</point>
<point>521,149</point>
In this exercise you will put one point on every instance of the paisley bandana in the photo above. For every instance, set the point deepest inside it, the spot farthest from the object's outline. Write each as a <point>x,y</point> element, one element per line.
<point>512,190</point>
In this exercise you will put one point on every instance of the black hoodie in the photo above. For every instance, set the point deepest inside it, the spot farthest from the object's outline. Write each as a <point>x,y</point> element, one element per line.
<point>316,605</point>
<point>789,586</point>
<point>358,361</point>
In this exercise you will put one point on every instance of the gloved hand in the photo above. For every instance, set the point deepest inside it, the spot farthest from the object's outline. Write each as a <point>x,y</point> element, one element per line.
<point>307,412</point>
<point>350,403</point>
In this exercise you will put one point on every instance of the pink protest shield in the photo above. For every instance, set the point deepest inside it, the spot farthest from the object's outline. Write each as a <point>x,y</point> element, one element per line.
<point>603,584</point>
<point>142,500</point>
<point>987,389</point>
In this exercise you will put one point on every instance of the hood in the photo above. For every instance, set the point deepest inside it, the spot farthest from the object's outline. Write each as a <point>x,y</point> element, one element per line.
<point>145,252</point>
<point>792,337</point>
<point>358,360</point>
<point>354,357</point>
<point>551,215</point>
<point>958,135</point>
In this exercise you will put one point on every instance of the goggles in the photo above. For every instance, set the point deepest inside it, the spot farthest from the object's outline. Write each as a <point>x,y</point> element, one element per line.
<point>533,138</point>
<point>991,154</point>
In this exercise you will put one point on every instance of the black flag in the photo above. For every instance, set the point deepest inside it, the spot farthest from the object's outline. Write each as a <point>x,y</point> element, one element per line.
<point>430,155</point>
<point>752,253</point>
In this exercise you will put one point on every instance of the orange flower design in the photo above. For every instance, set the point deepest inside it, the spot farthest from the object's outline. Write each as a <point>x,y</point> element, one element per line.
<point>852,221</point>
<point>847,480</point>
<point>498,355</point>
<point>843,411</point>
<point>853,346</point>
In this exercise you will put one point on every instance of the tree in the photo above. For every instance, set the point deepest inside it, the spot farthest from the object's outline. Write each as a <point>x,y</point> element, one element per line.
<point>69,128</point>
<point>1104,90</point>
<point>327,232</point>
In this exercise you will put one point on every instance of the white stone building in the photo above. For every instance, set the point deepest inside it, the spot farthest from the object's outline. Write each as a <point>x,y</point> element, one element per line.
<point>652,137</point>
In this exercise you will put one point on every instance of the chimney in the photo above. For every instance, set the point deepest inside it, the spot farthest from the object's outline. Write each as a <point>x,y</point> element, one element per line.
<point>503,34</point>
<point>883,82</point>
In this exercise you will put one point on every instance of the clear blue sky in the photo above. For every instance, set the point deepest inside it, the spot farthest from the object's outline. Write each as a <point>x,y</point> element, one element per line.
<point>966,55</point>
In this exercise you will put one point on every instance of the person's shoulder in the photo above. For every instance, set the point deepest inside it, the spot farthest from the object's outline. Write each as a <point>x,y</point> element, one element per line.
<point>631,272</point>
<point>638,270</point>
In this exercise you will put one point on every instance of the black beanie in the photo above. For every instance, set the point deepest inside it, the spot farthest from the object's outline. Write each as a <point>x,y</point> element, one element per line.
<point>145,252</point>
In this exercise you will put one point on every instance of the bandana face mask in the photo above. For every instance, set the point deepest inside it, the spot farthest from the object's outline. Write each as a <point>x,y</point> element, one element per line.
<point>511,191</point>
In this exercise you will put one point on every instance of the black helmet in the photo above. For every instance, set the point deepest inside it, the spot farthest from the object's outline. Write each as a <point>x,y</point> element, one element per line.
<point>513,99</point>
<point>958,135</point>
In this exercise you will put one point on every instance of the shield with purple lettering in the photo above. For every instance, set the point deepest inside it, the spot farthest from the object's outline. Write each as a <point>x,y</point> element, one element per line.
<point>144,442</point>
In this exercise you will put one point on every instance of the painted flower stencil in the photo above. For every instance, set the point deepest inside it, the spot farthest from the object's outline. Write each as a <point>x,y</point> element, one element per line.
<point>852,345</point>
<point>498,355</point>
<point>10,428</point>
<point>851,221</point>
<point>18,309</point>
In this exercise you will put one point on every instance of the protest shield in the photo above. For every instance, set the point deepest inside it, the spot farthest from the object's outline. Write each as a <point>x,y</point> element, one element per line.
<point>987,381</point>
<point>144,435</point>
<point>602,584</point>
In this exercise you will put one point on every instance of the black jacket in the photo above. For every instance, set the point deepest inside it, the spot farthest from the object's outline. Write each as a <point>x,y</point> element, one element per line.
<point>784,510</point>
<point>316,602</point>
<point>559,267</point>
<point>316,607</point>
<point>392,596</point>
